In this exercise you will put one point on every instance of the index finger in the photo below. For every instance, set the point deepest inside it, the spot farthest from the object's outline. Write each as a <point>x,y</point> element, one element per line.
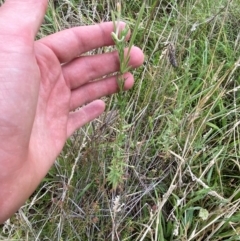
<point>73,42</point>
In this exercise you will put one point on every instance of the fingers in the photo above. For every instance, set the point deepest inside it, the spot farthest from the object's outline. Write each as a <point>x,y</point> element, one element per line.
<point>73,42</point>
<point>84,115</point>
<point>23,18</point>
<point>88,68</point>
<point>98,89</point>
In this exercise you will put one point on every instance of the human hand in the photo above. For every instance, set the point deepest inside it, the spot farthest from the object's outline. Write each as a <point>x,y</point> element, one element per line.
<point>41,83</point>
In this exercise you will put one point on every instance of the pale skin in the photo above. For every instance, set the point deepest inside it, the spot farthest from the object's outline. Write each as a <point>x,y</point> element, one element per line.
<point>41,83</point>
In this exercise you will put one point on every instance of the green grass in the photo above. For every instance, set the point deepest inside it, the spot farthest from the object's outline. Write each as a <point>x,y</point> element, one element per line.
<point>180,178</point>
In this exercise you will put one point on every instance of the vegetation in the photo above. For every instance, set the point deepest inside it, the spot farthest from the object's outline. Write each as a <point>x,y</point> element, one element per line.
<point>167,167</point>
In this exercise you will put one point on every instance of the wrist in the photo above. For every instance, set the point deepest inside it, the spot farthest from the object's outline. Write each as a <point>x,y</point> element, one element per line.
<point>15,189</point>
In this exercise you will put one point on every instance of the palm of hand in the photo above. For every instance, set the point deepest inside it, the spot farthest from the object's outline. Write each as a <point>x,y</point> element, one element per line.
<point>52,112</point>
<point>36,109</point>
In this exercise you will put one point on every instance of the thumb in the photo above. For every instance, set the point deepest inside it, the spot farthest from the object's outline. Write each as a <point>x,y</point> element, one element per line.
<point>22,17</point>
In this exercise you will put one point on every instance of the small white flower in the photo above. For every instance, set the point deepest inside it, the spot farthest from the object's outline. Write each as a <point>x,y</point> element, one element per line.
<point>117,206</point>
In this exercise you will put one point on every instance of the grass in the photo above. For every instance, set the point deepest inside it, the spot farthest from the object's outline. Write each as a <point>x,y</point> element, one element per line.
<point>181,174</point>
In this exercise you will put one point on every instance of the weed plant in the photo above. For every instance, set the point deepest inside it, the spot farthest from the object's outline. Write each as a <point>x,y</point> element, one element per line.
<point>116,173</point>
<point>178,139</point>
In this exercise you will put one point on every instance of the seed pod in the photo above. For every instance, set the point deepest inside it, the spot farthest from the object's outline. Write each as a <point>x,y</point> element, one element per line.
<point>171,55</point>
